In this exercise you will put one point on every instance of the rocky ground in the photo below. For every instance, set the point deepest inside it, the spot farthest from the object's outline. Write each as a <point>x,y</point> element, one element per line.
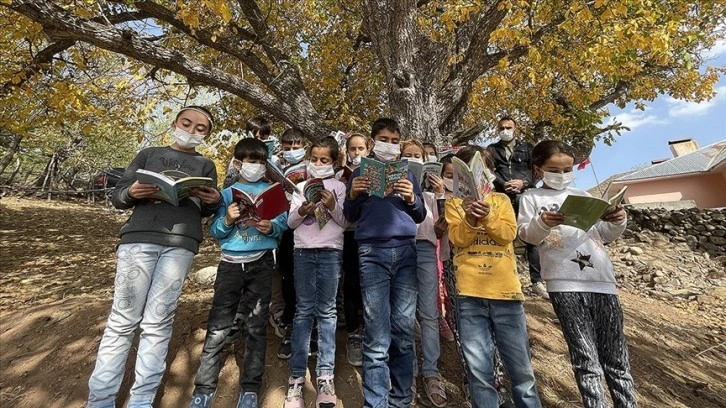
<point>56,279</point>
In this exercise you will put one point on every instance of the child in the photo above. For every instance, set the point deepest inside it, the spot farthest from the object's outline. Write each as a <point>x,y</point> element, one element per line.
<point>256,127</point>
<point>427,279</point>
<point>579,278</point>
<point>356,148</point>
<point>489,296</point>
<point>153,261</point>
<point>386,236</point>
<point>431,154</point>
<point>318,255</point>
<point>293,142</point>
<point>244,275</point>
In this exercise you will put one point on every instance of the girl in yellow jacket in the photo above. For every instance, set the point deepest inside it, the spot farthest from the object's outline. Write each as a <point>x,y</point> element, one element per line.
<point>489,294</point>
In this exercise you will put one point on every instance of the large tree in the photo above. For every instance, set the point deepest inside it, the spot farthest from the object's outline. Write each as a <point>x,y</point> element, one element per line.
<point>444,69</point>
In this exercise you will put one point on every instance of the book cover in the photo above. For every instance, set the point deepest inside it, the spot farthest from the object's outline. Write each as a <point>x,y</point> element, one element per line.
<point>584,212</point>
<point>382,176</point>
<point>430,168</point>
<point>267,205</point>
<point>173,185</point>
<point>473,180</point>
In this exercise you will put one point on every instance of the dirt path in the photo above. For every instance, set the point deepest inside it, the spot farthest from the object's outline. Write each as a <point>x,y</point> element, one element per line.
<point>56,281</point>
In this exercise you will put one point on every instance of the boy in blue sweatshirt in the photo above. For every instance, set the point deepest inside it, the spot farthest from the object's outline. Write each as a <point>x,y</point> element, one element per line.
<point>386,235</point>
<point>244,275</point>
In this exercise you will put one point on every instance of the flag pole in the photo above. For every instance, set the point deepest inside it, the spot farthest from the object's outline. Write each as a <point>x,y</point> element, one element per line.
<point>596,180</point>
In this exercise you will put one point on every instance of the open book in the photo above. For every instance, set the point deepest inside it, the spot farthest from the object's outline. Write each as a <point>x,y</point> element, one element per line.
<point>267,205</point>
<point>474,180</point>
<point>422,171</point>
<point>383,175</point>
<point>583,212</point>
<point>312,193</point>
<point>174,186</point>
<point>275,175</point>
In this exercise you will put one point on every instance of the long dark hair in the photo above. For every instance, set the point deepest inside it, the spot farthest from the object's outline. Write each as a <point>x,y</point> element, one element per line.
<point>548,148</point>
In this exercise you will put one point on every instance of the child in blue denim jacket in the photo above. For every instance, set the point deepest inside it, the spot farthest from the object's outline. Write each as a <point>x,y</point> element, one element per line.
<point>244,275</point>
<point>386,235</point>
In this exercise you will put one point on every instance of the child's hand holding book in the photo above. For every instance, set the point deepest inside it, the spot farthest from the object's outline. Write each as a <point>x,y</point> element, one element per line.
<point>327,199</point>
<point>616,215</point>
<point>475,210</point>
<point>233,213</point>
<point>307,208</point>
<point>359,185</point>
<point>141,190</point>
<point>264,226</point>
<point>552,218</point>
<point>208,195</point>
<point>404,188</point>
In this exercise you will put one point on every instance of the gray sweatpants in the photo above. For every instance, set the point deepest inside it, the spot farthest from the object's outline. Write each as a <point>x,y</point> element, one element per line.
<point>592,324</point>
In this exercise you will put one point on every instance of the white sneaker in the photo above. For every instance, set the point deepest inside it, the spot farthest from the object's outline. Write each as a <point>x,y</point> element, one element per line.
<point>540,289</point>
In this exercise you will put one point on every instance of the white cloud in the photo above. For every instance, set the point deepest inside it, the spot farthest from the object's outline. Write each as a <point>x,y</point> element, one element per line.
<point>637,118</point>
<point>679,108</point>
<point>718,49</point>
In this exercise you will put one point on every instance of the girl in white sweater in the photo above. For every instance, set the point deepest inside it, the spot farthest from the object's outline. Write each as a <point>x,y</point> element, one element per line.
<point>579,278</point>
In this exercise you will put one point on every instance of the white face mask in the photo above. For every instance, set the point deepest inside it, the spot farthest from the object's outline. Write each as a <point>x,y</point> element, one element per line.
<point>432,158</point>
<point>557,181</point>
<point>322,172</point>
<point>252,172</point>
<point>386,151</point>
<point>187,140</point>
<point>355,160</point>
<point>414,159</point>
<point>293,156</point>
<point>506,135</point>
<point>449,184</point>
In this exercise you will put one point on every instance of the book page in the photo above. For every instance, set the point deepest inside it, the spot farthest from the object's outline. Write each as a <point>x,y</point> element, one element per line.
<point>430,168</point>
<point>312,190</point>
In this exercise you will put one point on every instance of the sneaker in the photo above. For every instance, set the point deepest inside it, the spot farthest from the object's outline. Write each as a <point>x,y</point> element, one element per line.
<point>326,392</point>
<point>277,324</point>
<point>285,350</point>
<point>540,289</point>
<point>445,331</point>
<point>294,398</point>
<point>353,349</point>
<point>247,400</point>
<point>201,400</point>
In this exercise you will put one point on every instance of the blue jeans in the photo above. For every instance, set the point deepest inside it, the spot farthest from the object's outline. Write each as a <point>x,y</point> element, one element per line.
<point>427,276</point>
<point>388,288</point>
<point>482,322</point>
<point>149,280</point>
<point>316,284</point>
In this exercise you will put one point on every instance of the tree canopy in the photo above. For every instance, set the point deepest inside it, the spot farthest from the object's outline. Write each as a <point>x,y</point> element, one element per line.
<point>445,69</point>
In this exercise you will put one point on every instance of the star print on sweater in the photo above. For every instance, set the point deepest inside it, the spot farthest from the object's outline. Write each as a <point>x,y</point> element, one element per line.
<point>582,260</point>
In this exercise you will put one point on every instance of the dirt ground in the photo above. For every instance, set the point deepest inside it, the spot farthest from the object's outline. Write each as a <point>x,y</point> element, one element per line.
<point>57,267</point>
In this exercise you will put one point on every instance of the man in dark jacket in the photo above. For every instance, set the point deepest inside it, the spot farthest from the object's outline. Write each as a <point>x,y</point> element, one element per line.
<point>514,175</point>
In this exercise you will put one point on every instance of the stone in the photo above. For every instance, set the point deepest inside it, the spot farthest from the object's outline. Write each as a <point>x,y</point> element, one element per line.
<point>636,250</point>
<point>205,276</point>
<point>717,240</point>
<point>719,292</point>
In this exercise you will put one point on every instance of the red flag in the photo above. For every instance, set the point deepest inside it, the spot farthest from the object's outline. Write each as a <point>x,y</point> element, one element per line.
<point>584,164</point>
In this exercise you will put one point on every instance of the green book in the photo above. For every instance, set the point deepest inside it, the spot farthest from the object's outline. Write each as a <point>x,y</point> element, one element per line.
<point>583,212</point>
<point>383,175</point>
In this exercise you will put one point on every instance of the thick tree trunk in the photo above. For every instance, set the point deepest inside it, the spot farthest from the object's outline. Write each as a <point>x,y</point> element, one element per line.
<point>12,150</point>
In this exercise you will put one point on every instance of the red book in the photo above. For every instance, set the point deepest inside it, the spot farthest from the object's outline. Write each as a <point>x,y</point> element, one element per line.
<point>267,205</point>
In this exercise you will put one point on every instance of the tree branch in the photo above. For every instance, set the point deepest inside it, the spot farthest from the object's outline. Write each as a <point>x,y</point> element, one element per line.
<point>59,23</point>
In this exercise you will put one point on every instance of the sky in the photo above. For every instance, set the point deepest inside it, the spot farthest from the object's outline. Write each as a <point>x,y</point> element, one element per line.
<point>664,119</point>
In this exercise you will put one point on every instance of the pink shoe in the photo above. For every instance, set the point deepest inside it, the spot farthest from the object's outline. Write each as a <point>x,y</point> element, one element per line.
<point>294,398</point>
<point>326,392</point>
<point>445,331</point>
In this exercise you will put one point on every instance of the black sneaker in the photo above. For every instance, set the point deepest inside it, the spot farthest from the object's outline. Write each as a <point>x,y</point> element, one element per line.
<point>285,350</point>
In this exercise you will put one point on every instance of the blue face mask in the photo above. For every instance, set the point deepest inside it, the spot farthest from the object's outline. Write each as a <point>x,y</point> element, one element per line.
<point>293,156</point>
